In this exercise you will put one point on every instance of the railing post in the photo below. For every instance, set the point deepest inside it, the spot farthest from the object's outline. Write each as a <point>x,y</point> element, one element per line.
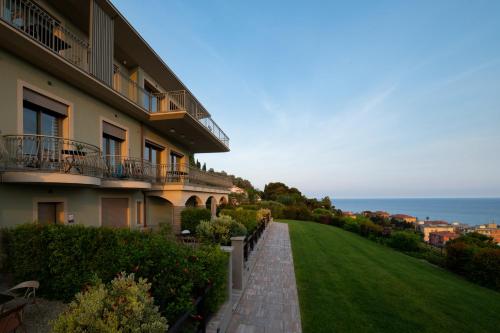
<point>238,262</point>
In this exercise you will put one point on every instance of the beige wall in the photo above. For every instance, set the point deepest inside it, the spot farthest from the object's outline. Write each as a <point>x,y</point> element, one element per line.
<point>87,113</point>
<point>18,202</point>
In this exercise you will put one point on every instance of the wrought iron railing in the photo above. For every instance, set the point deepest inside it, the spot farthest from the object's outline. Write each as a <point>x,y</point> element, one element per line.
<point>56,154</point>
<point>26,16</point>
<point>50,154</point>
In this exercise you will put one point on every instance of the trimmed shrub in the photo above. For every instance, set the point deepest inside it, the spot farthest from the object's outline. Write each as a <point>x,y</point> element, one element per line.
<point>220,230</point>
<point>66,258</point>
<point>246,217</point>
<point>191,217</point>
<point>405,241</point>
<point>122,306</point>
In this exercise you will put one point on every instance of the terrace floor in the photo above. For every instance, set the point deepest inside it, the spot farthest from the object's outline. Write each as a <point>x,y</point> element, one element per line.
<point>270,302</point>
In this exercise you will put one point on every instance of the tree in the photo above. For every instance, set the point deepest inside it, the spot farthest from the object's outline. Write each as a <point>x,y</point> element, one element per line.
<point>198,164</point>
<point>204,168</point>
<point>326,202</point>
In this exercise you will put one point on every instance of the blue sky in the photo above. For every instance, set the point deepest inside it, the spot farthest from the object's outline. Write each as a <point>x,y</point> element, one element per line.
<point>351,99</point>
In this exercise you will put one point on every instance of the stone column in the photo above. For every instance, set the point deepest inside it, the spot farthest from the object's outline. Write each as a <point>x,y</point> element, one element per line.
<point>176,218</point>
<point>213,207</point>
<point>238,262</point>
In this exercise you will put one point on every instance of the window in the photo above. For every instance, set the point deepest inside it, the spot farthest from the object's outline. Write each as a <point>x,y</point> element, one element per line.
<point>138,213</point>
<point>50,212</point>
<point>175,161</point>
<point>150,99</point>
<point>112,140</point>
<point>42,116</point>
<point>152,152</point>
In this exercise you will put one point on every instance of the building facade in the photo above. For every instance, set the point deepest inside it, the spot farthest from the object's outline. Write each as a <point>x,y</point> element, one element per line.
<point>95,128</point>
<point>440,238</point>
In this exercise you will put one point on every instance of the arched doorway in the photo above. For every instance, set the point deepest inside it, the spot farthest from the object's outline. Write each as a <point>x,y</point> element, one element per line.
<point>193,201</point>
<point>158,211</point>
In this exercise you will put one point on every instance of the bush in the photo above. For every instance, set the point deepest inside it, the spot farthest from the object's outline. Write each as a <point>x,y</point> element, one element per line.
<point>405,241</point>
<point>485,268</point>
<point>351,225</point>
<point>300,212</point>
<point>476,257</point>
<point>220,230</point>
<point>49,254</point>
<point>191,217</point>
<point>263,214</point>
<point>246,217</point>
<point>367,227</point>
<point>123,306</point>
<point>275,207</point>
<point>339,221</point>
<point>322,215</point>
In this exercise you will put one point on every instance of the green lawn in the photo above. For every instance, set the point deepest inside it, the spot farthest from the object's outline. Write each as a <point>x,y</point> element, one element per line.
<point>350,284</point>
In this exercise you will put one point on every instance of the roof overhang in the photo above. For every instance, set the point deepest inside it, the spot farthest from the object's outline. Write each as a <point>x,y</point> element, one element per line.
<point>182,128</point>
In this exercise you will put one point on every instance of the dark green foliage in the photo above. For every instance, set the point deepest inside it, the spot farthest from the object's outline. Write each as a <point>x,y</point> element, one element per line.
<point>351,225</point>
<point>367,227</point>
<point>273,191</point>
<point>275,207</point>
<point>405,241</point>
<point>247,217</point>
<point>191,217</point>
<point>322,215</point>
<point>475,256</point>
<point>66,258</point>
<point>298,212</point>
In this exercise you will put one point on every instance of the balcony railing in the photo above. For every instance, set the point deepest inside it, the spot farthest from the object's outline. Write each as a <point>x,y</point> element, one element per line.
<point>59,155</point>
<point>27,17</point>
<point>50,154</point>
<point>182,100</point>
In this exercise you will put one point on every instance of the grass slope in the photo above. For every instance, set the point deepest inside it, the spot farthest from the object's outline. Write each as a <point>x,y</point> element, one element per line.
<point>350,284</point>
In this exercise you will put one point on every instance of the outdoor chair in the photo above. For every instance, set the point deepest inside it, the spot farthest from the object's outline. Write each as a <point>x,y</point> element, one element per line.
<point>29,288</point>
<point>12,319</point>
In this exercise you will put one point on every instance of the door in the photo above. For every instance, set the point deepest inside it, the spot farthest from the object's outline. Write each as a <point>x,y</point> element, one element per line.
<point>50,212</point>
<point>114,212</point>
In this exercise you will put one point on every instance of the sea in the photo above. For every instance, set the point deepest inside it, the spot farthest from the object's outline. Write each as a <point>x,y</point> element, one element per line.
<point>471,211</point>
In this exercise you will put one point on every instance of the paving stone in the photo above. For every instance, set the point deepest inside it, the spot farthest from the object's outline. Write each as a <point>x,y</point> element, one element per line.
<point>270,302</point>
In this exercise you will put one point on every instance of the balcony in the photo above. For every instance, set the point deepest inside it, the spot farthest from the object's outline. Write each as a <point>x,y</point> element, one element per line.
<point>38,158</point>
<point>47,159</point>
<point>176,113</point>
<point>30,19</point>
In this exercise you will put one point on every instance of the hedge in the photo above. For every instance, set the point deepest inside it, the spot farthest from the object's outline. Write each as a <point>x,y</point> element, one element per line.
<point>247,217</point>
<point>191,217</point>
<point>67,258</point>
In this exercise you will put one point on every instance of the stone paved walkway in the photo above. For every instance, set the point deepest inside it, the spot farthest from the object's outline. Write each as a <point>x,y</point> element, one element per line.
<point>270,302</point>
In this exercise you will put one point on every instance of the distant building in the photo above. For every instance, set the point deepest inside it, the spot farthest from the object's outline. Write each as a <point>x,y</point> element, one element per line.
<point>404,218</point>
<point>237,190</point>
<point>490,232</point>
<point>440,238</point>
<point>427,229</point>
<point>349,214</point>
<point>382,214</point>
